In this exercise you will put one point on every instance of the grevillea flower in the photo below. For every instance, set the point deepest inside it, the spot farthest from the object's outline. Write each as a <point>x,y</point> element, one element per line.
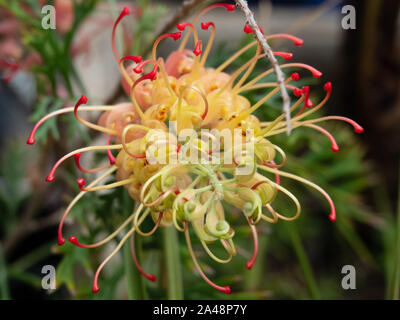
<point>154,160</point>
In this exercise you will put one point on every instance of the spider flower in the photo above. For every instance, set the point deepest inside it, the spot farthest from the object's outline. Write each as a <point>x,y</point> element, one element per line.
<point>188,142</point>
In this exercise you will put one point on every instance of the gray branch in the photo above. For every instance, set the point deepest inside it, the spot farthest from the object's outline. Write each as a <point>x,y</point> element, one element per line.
<point>242,4</point>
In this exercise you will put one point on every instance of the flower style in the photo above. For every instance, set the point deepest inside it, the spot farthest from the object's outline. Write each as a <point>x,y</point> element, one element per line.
<point>182,108</point>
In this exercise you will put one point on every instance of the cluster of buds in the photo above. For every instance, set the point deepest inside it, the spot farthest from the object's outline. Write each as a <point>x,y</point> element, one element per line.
<point>189,145</point>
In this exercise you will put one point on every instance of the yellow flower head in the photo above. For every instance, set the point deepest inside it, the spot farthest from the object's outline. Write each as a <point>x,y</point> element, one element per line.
<point>188,142</point>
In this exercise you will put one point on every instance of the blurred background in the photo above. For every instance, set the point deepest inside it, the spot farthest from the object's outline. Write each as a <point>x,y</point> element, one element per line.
<point>44,70</point>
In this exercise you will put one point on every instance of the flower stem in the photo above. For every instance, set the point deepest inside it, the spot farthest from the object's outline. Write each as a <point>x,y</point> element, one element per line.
<point>304,262</point>
<point>173,263</point>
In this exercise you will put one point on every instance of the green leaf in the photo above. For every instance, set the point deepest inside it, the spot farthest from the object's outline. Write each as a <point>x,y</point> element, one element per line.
<point>72,255</point>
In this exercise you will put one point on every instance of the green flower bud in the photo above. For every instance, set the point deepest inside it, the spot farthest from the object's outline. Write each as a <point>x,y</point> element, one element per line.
<point>264,151</point>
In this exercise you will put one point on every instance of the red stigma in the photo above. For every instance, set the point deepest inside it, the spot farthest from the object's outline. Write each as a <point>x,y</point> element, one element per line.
<point>227,6</point>
<point>297,92</point>
<point>81,183</point>
<point>151,75</point>
<point>82,100</point>
<point>175,35</point>
<point>285,55</point>
<point>197,49</point>
<point>206,25</point>
<point>110,156</point>
<point>250,263</point>
<point>77,156</point>
<point>95,287</point>
<point>358,128</point>
<point>225,289</point>
<point>125,11</point>
<point>60,240</point>
<point>295,76</point>
<point>328,87</point>
<point>335,148</point>
<point>247,29</point>
<point>307,101</point>
<point>74,240</point>
<point>316,73</point>
<point>183,25</point>
<point>31,138</point>
<point>136,59</point>
<point>297,41</point>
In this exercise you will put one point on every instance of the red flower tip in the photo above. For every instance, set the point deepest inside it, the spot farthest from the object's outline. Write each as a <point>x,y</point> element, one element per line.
<point>83,100</point>
<point>50,178</point>
<point>328,87</point>
<point>332,217</point>
<point>206,25</point>
<point>95,288</point>
<point>227,6</point>
<point>317,74</point>
<point>307,101</point>
<point>197,50</point>
<point>136,59</point>
<point>226,290</point>
<point>249,264</point>
<point>138,68</point>
<point>297,92</point>
<point>182,26</point>
<point>295,76</point>
<point>31,140</point>
<point>358,128</point>
<point>151,277</point>
<point>125,11</point>
<point>247,29</point>
<point>111,158</point>
<point>77,156</point>
<point>153,74</point>
<point>81,183</point>
<point>298,42</point>
<point>175,35</point>
<point>285,55</point>
<point>73,240</point>
<point>335,148</point>
<point>60,240</point>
